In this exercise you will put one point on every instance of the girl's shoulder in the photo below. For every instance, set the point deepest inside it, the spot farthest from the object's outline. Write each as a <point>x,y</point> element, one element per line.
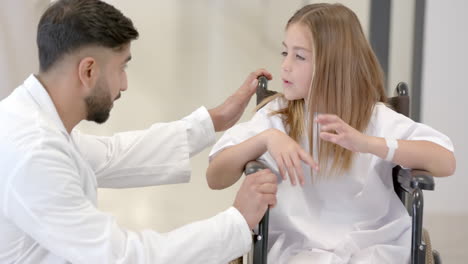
<point>274,105</point>
<point>384,119</point>
<point>267,116</point>
<point>386,113</point>
<point>386,122</point>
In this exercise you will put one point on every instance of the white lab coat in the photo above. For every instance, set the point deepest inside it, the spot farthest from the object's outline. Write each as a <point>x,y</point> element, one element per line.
<point>49,181</point>
<point>353,218</point>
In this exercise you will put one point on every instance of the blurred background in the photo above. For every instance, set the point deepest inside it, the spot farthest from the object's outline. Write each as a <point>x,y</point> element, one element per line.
<point>197,52</point>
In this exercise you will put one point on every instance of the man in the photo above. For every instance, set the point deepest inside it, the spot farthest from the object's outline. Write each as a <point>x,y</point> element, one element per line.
<point>50,172</point>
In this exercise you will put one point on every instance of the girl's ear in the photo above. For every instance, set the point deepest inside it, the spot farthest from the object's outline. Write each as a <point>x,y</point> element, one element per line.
<point>88,74</point>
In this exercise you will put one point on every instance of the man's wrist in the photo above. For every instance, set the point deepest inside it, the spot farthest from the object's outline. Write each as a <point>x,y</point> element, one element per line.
<point>200,131</point>
<point>215,118</point>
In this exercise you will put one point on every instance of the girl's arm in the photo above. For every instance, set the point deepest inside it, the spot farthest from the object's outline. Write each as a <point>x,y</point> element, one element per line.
<point>228,165</point>
<point>415,154</point>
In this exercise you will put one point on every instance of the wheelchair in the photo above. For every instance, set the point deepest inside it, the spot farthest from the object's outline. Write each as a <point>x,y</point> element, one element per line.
<point>408,185</point>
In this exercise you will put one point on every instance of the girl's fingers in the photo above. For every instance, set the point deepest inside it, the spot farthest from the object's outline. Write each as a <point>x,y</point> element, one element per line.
<point>297,165</point>
<point>308,159</point>
<point>331,127</point>
<point>289,166</point>
<point>329,137</point>
<point>279,161</point>
<point>328,118</point>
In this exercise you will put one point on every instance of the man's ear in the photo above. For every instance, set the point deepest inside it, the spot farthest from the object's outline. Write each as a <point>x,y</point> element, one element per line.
<point>88,74</point>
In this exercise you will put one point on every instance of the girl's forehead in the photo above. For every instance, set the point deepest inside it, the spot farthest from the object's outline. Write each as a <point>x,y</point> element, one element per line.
<point>298,34</point>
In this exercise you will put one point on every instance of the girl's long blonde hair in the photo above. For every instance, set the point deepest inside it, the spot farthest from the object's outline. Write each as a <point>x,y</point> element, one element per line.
<point>347,80</point>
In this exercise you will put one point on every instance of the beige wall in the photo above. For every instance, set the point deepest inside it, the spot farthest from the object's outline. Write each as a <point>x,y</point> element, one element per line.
<point>196,52</point>
<point>18,54</point>
<point>444,96</point>
<point>192,53</point>
<point>401,44</point>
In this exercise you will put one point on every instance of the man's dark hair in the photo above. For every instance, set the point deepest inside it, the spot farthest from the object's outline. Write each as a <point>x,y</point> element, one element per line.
<point>68,25</point>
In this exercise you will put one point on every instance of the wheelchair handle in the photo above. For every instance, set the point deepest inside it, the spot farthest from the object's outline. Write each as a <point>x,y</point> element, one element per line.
<point>262,83</point>
<point>260,243</point>
<point>262,91</point>
<point>253,167</point>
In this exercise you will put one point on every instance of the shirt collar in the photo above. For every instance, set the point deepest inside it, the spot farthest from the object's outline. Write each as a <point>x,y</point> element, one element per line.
<point>42,98</point>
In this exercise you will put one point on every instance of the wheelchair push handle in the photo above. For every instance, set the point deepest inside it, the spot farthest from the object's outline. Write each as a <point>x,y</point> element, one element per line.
<point>262,91</point>
<point>260,242</point>
<point>262,83</point>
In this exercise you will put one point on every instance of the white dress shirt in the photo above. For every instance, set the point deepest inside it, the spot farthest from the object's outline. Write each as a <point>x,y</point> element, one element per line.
<point>350,218</point>
<point>49,181</point>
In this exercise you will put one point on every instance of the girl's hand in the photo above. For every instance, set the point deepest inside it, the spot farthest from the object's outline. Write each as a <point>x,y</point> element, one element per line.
<point>335,130</point>
<point>288,155</point>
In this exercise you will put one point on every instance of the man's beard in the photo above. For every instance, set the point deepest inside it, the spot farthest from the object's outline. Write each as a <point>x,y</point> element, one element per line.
<point>99,104</point>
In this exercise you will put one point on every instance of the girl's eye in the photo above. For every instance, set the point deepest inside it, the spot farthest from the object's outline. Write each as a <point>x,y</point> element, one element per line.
<point>300,57</point>
<point>284,54</point>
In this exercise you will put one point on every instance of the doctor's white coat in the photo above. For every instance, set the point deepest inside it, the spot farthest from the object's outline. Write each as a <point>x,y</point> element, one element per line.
<point>49,179</point>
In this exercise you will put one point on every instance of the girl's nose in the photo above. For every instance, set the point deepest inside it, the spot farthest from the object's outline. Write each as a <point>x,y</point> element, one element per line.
<point>286,66</point>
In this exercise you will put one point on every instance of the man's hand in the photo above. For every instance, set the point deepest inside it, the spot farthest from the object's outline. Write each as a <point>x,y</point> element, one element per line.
<point>227,114</point>
<point>257,192</point>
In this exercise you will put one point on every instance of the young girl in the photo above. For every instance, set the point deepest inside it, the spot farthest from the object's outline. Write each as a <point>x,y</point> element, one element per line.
<point>345,210</point>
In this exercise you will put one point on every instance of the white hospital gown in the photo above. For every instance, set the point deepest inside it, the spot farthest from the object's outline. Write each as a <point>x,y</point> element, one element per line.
<point>352,218</point>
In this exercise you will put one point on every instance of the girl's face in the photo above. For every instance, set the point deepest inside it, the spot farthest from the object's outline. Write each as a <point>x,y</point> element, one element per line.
<point>298,62</point>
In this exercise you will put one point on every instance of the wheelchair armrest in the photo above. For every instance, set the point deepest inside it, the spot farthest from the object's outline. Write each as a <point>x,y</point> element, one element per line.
<point>412,179</point>
<point>422,179</point>
<point>253,167</point>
